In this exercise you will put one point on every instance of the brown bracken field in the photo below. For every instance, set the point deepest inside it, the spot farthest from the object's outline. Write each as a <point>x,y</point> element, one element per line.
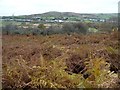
<point>60,61</point>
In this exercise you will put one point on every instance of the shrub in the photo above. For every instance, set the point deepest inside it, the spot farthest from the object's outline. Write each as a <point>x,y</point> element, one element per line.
<point>74,28</point>
<point>41,26</point>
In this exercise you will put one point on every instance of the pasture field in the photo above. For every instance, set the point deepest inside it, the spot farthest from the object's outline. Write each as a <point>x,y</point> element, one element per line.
<point>60,61</point>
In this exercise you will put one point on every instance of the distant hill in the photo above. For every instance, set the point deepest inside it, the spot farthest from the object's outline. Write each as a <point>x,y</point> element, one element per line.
<point>55,14</point>
<point>72,14</point>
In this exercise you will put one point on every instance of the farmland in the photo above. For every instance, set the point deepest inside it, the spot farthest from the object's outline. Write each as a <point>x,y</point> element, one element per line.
<point>61,61</point>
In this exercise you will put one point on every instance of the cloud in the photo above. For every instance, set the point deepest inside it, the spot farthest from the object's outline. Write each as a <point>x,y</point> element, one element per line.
<point>21,7</point>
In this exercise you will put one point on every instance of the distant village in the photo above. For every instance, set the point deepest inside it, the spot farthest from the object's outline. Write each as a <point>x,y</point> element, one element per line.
<point>54,19</point>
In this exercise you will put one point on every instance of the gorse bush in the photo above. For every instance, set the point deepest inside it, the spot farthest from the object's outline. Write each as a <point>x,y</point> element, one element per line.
<point>52,74</point>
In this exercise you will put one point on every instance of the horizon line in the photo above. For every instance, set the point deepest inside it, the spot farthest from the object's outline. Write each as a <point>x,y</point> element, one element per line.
<point>60,12</point>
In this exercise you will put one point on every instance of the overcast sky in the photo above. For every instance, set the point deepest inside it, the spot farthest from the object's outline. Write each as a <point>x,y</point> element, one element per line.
<point>26,7</point>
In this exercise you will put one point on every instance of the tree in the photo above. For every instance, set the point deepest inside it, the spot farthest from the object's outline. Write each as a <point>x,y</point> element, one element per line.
<point>80,28</point>
<point>41,26</point>
<point>74,28</point>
